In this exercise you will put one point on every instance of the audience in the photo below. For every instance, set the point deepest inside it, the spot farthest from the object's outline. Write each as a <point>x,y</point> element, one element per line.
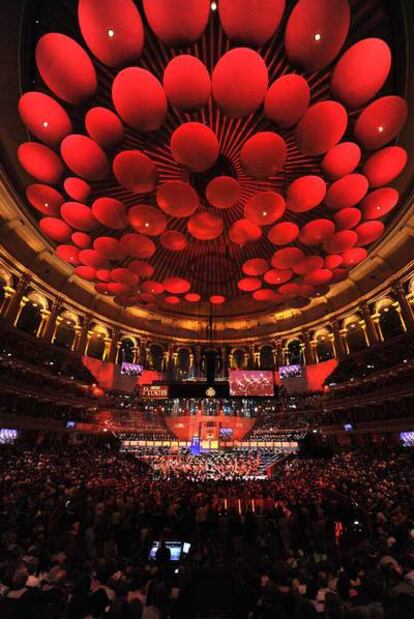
<point>321,538</point>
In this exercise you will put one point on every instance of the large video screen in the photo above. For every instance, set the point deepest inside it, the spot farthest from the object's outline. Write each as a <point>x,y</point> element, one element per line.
<point>290,371</point>
<point>131,369</point>
<point>251,383</point>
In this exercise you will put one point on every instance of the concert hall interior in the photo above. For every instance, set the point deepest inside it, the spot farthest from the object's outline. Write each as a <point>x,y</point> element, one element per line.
<point>207,309</point>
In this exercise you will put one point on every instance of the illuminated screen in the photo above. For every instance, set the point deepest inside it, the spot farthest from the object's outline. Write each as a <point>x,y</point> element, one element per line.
<point>176,548</point>
<point>254,383</point>
<point>8,436</point>
<point>131,369</point>
<point>407,439</point>
<point>226,433</point>
<point>290,371</point>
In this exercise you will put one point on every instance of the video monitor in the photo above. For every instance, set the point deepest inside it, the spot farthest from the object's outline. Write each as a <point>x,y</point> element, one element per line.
<point>131,369</point>
<point>348,427</point>
<point>70,425</point>
<point>226,433</point>
<point>177,549</point>
<point>251,383</point>
<point>290,371</point>
<point>8,436</point>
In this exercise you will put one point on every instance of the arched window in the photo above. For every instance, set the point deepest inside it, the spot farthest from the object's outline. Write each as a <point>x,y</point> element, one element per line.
<point>30,318</point>
<point>183,363</point>
<point>126,351</point>
<point>294,353</point>
<point>266,358</point>
<point>238,362</point>
<point>65,332</point>
<point>324,345</point>
<point>355,335</point>
<point>390,321</point>
<point>156,355</point>
<point>96,344</point>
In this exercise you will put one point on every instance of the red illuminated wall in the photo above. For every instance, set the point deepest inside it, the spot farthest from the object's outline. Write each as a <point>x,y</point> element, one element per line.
<point>108,375</point>
<point>184,428</point>
<point>313,377</point>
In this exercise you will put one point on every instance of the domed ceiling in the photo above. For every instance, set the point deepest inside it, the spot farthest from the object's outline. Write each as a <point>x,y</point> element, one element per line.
<point>188,153</point>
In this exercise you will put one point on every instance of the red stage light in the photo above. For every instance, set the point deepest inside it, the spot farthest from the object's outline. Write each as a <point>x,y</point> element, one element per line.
<point>347,218</point>
<point>305,193</point>
<point>195,146</point>
<point>322,126</point>
<point>45,199</point>
<point>81,239</point>
<point>223,192</point>
<point>379,203</point>
<point>287,100</point>
<point>316,31</point>
<point>341,241</point>
<point>104,127</point>
<point>110,213</point>
<point>346,191</point>
<point>250,22</point>
<point>381,121</point>
<point>88,273</point>
<point>139,99</point>
<point>369,231</point>
<point>283,233</point>
<point>77,189</point>
<point>264,208</point>
<point>172,300</point>
<point>341,160</point>
<point>318,277</point>
<point>177,23</point>
<point>354,256</point>
<point>40,162</point>
<point>173,240</point>
<point>176,285</point>
<point>152,287</point>
<point>385,165</point>
<point>316,231</point>
<point>248,284</point>
<point>277,276</point>
<point>192,297</point>
<point>255,266</point>
<point>244,231</point>
<point>68,253</point>
<point>84,157</point>
<point>113,31</point>
<point>109,247</point>
<point>308,264</point>
<point>65,68</point>
<point>92,258</point>
<point>361,72</point>
<point>135,171</point>
<point>177,199</point>
<point>44,117</point>
<point>265,294</point>
<point>143,269</point>
<point>187,83</point>
<point>287,258</point>
<point>147,220</point>
<point>263,155</point>
<point>205,226</point>
<point>217,299</point>
<point>239,82</point>
<point>138,245</point>
<point>78,216</point>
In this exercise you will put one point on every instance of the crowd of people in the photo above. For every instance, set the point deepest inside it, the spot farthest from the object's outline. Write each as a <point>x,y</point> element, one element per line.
<point>326,539</point>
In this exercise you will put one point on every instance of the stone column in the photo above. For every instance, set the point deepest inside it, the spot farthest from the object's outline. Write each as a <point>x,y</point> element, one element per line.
<point>372,333</point>
<point>337,339</point>
<point>309,353</point>
<point>45,314</point>
<point>83,339</point>
<point>405,307</point>
<point>113,345</point>
<point>279,353</point>
<point>50,328</point>
<point>107,349</point>
<point>14,306</point>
